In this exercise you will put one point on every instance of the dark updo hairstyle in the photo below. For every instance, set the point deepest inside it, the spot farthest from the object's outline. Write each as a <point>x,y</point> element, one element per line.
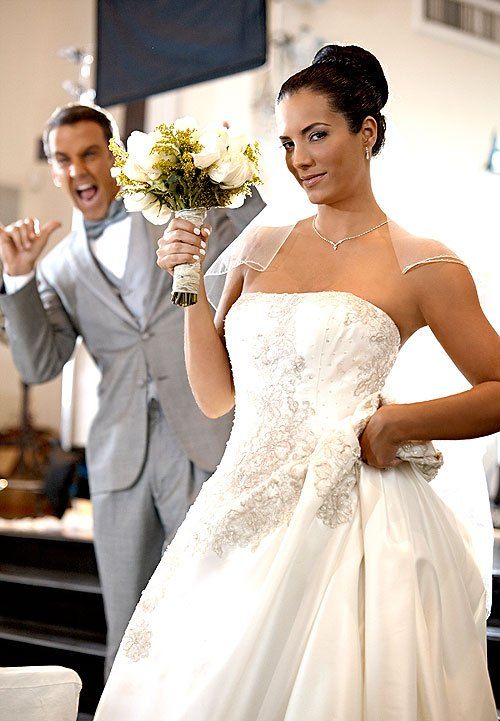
<point>353,81</point>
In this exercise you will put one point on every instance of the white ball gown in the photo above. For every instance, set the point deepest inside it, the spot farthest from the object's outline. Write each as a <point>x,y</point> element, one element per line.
<point>305,585</point>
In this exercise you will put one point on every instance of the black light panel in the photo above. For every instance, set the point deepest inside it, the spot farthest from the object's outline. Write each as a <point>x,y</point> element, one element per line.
<point>149,47</point>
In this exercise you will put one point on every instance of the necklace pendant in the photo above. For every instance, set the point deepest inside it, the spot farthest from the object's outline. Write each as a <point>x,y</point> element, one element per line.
<point>335,245</point>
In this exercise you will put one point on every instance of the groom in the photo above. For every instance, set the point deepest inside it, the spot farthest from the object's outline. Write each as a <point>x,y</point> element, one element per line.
<point>150,448</point>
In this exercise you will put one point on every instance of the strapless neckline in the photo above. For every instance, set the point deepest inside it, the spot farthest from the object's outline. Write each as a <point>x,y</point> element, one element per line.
<point>329,292</point>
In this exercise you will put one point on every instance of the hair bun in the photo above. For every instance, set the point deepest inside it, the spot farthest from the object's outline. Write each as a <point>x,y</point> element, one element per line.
<point>357,60</point>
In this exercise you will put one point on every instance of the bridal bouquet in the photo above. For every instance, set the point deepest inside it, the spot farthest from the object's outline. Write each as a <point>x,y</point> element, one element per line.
<point>184,169</point>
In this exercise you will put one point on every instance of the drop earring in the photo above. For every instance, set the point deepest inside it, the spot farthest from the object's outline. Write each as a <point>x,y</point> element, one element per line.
<point>367,152</point>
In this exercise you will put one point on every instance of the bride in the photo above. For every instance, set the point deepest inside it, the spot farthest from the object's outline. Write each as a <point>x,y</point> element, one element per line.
<point>318,577</point>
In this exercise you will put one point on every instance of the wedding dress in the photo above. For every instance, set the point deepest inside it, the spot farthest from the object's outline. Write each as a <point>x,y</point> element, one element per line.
<point>305,585</point>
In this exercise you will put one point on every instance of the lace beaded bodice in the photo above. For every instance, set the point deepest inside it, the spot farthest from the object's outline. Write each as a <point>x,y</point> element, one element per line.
<point>324,349</point>
<point>301,363</point>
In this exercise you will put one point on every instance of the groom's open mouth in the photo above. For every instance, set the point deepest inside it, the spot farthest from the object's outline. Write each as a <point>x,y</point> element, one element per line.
<point>87,192</point>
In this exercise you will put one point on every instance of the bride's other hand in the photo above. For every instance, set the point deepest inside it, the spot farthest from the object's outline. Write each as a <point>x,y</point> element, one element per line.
<point>379,442</point>
<point>182,242</point>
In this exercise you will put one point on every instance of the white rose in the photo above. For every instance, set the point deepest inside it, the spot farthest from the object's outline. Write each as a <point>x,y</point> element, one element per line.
<point>137,202</point>
<point>157,214</point>
<point>139,146</point>
<point>187,123</point>
<point>232,171</point>
<point>149,206</point>
<point>237,201</point>
<point>134,171</point>
<point>238,143</point>
<point>214,142</point>
<point>139,164</point>
<point>154,174</point>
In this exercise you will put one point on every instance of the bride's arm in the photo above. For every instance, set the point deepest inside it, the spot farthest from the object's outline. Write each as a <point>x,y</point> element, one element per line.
<point>448,302</point>
<point>207,361</point>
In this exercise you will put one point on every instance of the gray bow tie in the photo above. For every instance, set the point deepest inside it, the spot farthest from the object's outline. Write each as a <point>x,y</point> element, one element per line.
<point>95,228</point>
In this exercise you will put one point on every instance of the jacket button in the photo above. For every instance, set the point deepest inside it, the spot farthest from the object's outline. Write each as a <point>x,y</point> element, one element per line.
<point>142,384</point>
<point>145,335</point>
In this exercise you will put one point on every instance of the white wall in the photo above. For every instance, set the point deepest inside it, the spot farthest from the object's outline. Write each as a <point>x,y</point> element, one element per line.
<point>31,74</point>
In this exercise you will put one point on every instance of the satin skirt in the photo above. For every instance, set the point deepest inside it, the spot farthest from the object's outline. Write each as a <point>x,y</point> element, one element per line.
<point>381,618</point>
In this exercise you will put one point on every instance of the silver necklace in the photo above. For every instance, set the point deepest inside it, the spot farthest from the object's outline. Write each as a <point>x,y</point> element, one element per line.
<point>349,237</point>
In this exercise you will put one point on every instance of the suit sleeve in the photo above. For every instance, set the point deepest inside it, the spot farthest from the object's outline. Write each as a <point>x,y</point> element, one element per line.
<point>41,334</point>
<point>228,223</point>
<point>241,217</point>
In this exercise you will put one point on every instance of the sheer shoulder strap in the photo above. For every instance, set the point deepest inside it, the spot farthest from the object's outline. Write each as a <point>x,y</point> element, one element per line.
<point>413,252</point>
<point>443,258</point>
<point>256,247</point>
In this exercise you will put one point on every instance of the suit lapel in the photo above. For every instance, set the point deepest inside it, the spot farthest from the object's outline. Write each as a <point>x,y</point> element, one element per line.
<point>90,275</point>
<point>159,281</point>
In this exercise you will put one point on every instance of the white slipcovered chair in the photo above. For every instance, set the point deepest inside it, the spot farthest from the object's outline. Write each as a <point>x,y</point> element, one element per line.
<point>39,693</point>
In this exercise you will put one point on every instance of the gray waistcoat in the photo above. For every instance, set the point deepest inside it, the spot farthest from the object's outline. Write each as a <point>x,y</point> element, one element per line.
<point>132,288</point>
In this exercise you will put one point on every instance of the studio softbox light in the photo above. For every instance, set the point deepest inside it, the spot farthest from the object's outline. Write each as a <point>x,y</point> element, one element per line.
<point>149,47</point>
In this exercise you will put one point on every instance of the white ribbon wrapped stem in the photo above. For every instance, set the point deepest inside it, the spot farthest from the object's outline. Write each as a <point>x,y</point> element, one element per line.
<point>187,275</point>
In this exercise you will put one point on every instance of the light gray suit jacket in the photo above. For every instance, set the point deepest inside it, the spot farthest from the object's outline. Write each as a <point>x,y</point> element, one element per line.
<point>71,297</point>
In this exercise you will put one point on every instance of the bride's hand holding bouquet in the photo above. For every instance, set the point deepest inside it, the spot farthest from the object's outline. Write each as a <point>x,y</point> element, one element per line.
<point>183,243</point>
<point>182,169</point>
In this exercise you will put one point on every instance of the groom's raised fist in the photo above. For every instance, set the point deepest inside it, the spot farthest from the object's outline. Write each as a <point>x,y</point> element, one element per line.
<point>22,242</point>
